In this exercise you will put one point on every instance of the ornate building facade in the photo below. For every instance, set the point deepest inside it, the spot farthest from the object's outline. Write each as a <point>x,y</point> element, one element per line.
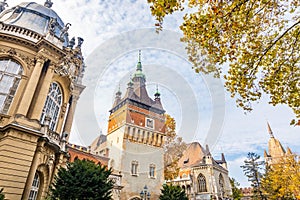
<point>41,74</point>
<point>201,176</point>
<point>135,138</point>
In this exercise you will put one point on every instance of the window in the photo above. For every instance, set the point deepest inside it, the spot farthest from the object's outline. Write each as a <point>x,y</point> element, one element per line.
<point>149,123</point>
<point>52,105</point>
<point>152,171</point>
<point>10,76</point>
<point>201,183</point>
<point>221,184</point>
<point>134,166</point>
<point>35,187</point>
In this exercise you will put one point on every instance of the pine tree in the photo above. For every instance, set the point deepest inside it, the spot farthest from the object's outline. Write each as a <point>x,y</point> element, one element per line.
<point>252,168</point>
<point>171,192</point>
<point>82,179</point>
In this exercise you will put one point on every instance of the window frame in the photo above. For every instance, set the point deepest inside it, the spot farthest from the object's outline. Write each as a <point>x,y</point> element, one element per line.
<point>152,171</point>
<point>202,186</point>
<point>51,106</point>
<point>35,186</point>
<point>13,80</point>
<point>149,123</point>
<point>134,168</point>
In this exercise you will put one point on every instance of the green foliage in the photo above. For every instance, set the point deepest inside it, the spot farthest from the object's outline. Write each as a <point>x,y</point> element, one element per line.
<point>252,168</point>
<point>2,196</point>
<point>259,39</point>
<point>171,192</point>
<point>82,179</point>
<point>236,192</point>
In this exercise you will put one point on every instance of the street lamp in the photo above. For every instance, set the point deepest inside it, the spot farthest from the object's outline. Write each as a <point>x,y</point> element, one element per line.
<point>145,195</point>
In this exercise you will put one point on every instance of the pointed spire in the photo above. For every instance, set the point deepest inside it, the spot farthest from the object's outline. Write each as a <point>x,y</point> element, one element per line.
<point>138,75</point>
<point>223,157</point>
<point>289,151</point>
<point>119,93</point>
<point>207,150</point>
<point>48,4</point>
<point>130,83</point>
<point>157,94</point>
<point>139,64</point>
<point>140,55</point>
<point>265,154</point>
<point>270,130</point>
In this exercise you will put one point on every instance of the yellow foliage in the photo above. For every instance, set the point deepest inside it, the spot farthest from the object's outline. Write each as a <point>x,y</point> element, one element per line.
<point>258,38</point>
<point>282,179</point>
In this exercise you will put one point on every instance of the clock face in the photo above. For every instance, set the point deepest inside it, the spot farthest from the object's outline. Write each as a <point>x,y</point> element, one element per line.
<point>149,123</point>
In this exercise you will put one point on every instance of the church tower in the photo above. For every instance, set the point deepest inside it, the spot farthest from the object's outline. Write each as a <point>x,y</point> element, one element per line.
<point>40,82</point>
<point>135,138</point>
<point>275,150</point>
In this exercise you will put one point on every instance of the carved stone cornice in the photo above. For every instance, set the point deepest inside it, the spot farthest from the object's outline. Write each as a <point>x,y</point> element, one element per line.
<point>47,54</point>
<point>11,52</point>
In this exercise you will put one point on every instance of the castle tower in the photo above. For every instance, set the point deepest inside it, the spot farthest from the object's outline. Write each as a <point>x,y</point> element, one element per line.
<point>135,138</point>
<point>40,83</point>
<point>275,150</point>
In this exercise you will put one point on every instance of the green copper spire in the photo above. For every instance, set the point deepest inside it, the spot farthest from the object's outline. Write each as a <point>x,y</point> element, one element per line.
<point>119,93</point>
<point>139,70</point>
<point>139,64</point>
<point>130,83</point>
<point>157,94</point>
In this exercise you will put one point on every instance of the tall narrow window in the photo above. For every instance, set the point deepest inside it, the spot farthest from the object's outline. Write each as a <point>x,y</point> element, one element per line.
<point>34,187</point>
<point>152,171</point>
<point>52,105</point>
<point>221,184</point>
<point>134,166</point>
<point>201,183</point>
<point>10,76</point>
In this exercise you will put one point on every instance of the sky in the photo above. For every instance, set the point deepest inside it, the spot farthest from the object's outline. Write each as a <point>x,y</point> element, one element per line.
<point>113,32</point>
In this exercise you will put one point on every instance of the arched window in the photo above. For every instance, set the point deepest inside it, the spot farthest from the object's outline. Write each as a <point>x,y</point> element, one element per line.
<point>34,187</point>
<point>10,76</point>
<point>201,183</point>
<point>52,105</point>
<point>221,184</point>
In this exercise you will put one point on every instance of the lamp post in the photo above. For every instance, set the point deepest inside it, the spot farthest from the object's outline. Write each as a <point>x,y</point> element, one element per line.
<point>145,195</point>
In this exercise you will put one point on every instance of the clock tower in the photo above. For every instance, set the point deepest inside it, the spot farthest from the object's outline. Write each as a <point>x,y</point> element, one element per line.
<point>136,131</point>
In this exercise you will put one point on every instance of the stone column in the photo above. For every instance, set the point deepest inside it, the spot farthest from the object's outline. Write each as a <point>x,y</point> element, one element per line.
<point>41,98</point>
<point>159,140</point>
<point>70,116</point>
<point>32,171</point>
<point>31,87</point>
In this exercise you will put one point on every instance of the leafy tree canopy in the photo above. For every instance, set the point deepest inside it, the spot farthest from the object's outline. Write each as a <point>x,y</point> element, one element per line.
<point>173,149</point>
<point>282,179</point>
<point>258,39</point>
<point>82,179</point>
<point>236,192</point>
<point>171,192</point>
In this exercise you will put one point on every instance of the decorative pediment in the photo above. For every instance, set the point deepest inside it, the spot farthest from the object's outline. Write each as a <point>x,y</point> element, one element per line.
<point>13,53</point>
